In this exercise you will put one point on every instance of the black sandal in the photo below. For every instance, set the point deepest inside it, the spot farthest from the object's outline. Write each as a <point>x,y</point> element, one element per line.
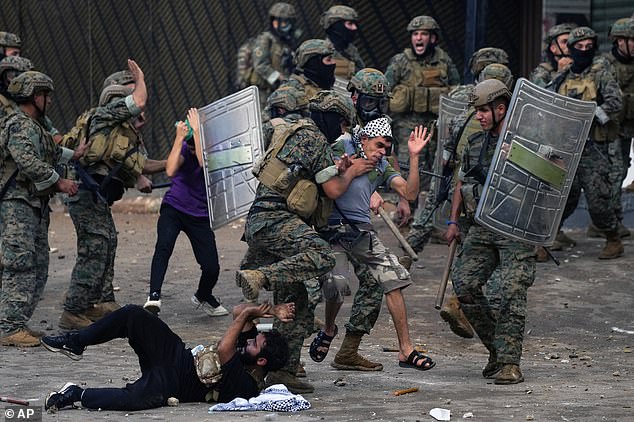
<point>416,357</point>
<point>321,345</point>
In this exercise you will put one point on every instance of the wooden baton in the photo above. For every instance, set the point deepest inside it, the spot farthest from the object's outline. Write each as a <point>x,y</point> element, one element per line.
<point>398,234</point>
<point>14,401</point>
<point>440,296</point>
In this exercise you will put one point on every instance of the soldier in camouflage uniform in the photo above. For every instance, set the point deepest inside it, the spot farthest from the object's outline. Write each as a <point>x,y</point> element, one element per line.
<point>622,58</point>
<point>588,79</point>
<point>314,68</point>
<point>10,44</point>
<point>285,102</point>
<point>478,61</point>
<point>556,54</point>
<point>272,55</point>
<point>284,250</point>
<point>484,251</point>
<point>379,272</point>
<point>418,76</point>
<point>10,67</point>
<point>341,25</point>
<point>90,295</point>
<point>28,179</point>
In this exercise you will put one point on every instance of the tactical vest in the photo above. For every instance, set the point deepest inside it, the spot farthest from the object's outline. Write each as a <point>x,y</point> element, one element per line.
<point>302,195</point>
<point>276,52</point>
<point>585,88</point>
<point>344,67</point>
<point>122,148</point>
<point>420,92</point>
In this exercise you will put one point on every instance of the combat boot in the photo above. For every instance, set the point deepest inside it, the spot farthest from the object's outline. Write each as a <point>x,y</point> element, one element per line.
<point>454,316</point>
<point>348,357</point>
<point>291,382</point>
<point>21,338</point>
<point>594,231</point>
<point>250,281</point>
<point>541,255</point>
<point>71,321</point>
<point>613,246</point>
<point>509,374</point>
<point>100,310</point>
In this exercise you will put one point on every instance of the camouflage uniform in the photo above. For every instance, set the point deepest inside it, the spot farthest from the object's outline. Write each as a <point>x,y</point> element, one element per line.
<point>93,273</point>
<point>346,55</point>
<point>272,56</point>
<point>283,246</point>
<point>543,74</point>
<point>28,151</point>
<point>601,154</point>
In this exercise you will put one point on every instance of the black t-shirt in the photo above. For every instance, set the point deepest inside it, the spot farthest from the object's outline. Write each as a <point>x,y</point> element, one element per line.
<point>236,381</point>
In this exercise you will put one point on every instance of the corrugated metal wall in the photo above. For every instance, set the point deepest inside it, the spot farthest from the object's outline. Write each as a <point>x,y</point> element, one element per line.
<point>187,47</point>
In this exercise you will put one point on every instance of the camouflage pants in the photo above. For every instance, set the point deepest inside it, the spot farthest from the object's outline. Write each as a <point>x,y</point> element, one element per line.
<point>378,271</point>
<point>598,175</point>
<point>25,256</point>
<point>91,279</point>
<point>483,252</point>
<point>402,127</point>
<point>423,224</point>
<point>288,252</point>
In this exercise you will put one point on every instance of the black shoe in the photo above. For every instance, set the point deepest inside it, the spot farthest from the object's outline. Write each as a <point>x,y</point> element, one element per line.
<point>66,396</point>
<point>63,344</point>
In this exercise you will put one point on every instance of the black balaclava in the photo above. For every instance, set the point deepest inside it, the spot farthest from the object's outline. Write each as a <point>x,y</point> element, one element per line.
<point>581,59</point>
<point>619,56</point>
<point>340,36</point>
<point>322,74</point>
<point>329,123</point>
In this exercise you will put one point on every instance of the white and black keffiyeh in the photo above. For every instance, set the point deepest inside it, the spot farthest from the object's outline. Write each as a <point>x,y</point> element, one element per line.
<point>377,127</point>
<point>275,398</point>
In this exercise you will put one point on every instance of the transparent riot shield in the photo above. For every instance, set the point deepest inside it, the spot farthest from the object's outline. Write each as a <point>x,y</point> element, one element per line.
<point>231,130</point>
<point>448,112</point>
<point>534,164</point>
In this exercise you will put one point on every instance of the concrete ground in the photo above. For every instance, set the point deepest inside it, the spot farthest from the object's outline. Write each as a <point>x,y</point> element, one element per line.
<point>578,360</point>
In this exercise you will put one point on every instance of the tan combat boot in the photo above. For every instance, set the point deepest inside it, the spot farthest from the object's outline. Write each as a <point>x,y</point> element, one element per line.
<point>454,316</point>
<point>348,357</point>
<point>71,321</point>
<point>291,382</point>
<point>250,281</point>
<point>509,374</point>
<point>613,246</point>
<point>541,255</point>
<point>21,338</point>
<point>100,310</point>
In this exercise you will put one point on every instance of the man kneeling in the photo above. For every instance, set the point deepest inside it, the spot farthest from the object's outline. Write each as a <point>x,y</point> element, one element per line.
<point>168,367</point>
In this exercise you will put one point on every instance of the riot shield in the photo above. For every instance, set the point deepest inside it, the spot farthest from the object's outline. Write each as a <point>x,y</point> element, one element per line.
<point>231,132</point>
<point>534,164</point>
<point>449,110</point>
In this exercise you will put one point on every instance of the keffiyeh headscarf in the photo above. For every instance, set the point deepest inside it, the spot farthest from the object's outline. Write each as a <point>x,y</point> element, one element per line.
<point>377,127</point>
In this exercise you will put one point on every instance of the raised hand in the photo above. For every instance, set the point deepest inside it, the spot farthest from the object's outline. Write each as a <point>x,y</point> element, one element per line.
<point>418,139</point>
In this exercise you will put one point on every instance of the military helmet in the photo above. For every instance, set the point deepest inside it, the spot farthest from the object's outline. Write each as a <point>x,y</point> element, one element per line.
<point>7,39</point>
<point>497,71</point>
<point>369,81</point>
<point>282,10</point>
<point>329,100</point>
<point>23,86</point>
<point>18,63</point>
<point>486,91</point>
<point>423,22</point>
<point>557,30</point>
<point>288,98</point>
<point>113,91</point>
<point>338,13</point>
<point>484,57</point>
<point>122,77</point>
<point>582,33</point>
<point>310,48</point>
<point>622,28</point>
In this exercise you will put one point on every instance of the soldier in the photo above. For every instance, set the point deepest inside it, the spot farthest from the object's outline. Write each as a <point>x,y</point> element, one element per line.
<point>588,79</point>
<point>28,180</point>
<point>418,77</point>
<point>10,67</point>
<point>341,25</point>
<point>115,122</point>
<point>10,44</point>
<point>286,102</point>
<point>314,68</point>
<point>379,272</point>
<point>284,250</point>
<point>478,61</point>
<point>484,251</point>
<point>272,53</point>
<point>621,57</point>
<point>556,54</point>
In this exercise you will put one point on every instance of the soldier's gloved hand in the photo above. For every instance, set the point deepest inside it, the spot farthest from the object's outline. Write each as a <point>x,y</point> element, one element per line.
<point>601,116</point>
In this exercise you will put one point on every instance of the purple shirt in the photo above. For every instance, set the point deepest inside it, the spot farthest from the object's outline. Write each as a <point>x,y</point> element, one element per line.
<point>188,193</point>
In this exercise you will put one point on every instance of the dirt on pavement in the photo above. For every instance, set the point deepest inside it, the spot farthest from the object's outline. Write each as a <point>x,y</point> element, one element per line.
<point>577,362</point>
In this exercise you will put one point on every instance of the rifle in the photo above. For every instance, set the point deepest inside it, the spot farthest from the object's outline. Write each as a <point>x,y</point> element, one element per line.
<point>440,296</point>
<point>398,234</point>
